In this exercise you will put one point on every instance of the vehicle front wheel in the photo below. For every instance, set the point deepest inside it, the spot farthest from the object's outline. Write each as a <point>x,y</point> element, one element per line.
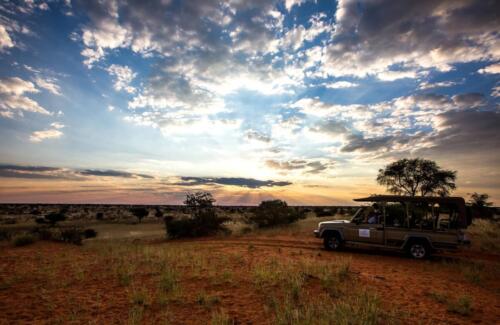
<point>419,250</point>
<point>332,242</point>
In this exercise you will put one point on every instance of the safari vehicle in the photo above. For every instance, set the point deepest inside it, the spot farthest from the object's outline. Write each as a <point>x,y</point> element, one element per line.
<point>415,225</point>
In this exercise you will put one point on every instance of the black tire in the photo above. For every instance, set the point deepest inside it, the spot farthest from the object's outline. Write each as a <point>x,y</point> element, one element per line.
<point>418,249</point>
<point>332,242</point>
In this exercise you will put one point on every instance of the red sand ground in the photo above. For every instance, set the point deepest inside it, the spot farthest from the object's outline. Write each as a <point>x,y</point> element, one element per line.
<point>29,296</point>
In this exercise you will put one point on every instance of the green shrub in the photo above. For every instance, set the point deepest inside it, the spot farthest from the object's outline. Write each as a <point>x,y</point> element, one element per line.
<point>23,239</point>
<point>5,234</point>
<point>322,212</point>
<point>139,212</point>
<point>462,306</point>
<point>274,212</point>
<point>43,233</point>
<point>89,233</point>
<point>203,221</point>
<point>71,235</point>
<point>55,217</point>
<point>168,281</point>
<point>221,318</point>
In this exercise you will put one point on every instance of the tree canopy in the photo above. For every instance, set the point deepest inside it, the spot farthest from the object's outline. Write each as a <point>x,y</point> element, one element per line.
<point>417,177</point>
<point>480,200</point>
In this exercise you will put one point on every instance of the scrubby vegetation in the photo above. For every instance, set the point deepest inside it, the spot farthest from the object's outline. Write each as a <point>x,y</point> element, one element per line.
<point>485,235</point>
<point>139,212</point>
<point>203,219</point>
<point>273,213</point>
<point>52,218</point>
<point>23,239</point>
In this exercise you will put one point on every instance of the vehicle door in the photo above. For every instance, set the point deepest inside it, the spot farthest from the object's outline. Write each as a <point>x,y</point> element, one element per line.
<point>362,231</point>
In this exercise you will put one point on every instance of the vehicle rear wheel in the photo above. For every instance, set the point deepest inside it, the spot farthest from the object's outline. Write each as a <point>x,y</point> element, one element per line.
<point>332,242</point>
<point>419,250</point>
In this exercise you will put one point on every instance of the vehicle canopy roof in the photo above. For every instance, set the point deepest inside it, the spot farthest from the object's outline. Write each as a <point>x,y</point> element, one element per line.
<point>457,201</point>
<point>402,198</point>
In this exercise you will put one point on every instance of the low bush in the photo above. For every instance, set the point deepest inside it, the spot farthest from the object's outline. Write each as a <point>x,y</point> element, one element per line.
<point>43,233</point>
<point>139,212</point>
<point>322,212</point>
<point>72,235</point>
<point>99,216</point>
<point>5,234</point>
<point>485,235</point>
<point>89,233</point>
<point>55,217</point>
<point>23,239</point>
<point>41,220</point>
<point>274,212</point>
<point>462,306</point>
<point>203,221</point>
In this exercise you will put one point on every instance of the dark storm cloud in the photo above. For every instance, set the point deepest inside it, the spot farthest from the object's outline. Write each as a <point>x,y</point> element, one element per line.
<point>31,172</point>
<point>359,143</point>
<point>469,100</point>
<point>234,181</point>
<point>28,168</point>
<point>111,173</point>
<point>44,172</point>
<point>375,35</point>
<point>468,131</point>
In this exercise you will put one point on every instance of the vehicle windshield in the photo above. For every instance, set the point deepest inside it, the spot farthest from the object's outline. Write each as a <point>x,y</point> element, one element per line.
<point>357,214</point>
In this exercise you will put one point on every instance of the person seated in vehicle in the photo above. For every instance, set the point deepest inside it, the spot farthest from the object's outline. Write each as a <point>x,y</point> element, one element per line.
<point>375,216</point>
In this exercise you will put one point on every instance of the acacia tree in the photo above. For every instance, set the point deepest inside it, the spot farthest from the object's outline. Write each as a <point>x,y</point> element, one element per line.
<point>417,176</point>
<point>481,208</point>
<point>479,200</point>
<point>203,219</point>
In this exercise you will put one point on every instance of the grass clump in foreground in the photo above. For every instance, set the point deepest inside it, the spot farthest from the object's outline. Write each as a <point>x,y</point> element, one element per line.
<point>360,308</point>
<point>221,318</point>
<point>461,306</point>
<point>297,300</point>
<point>473,272</point>
<point>485,234</point>
<point>23,239</point>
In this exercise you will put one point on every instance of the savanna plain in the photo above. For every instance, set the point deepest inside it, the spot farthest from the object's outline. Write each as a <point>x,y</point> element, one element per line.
<point>132,273</point>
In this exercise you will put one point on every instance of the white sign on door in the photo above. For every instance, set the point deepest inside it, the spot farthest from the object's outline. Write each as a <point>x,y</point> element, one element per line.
<point>364,233</point>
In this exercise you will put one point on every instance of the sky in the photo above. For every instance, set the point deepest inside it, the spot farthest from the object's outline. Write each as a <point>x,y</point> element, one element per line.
<point>143,101</point>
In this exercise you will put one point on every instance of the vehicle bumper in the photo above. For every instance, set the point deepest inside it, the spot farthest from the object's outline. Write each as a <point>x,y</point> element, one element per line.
<point>316,233</point>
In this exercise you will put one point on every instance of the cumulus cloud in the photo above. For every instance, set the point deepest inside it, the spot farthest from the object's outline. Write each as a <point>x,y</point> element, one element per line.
<point>5,40</point>
<point>304,165</point>
<point>123,76</point>
<point>39,136</point>
<point>289,4</point>
<point>467,130</point>
<point>48,84</point>
<point>442,84</point>
<point>373,38</point>
<point>331,126</point>
<point>13,97</point>
<point>468,100</point>
<point>491,69</point>
<point>340,85</point>
<point>295,37</point>
<point>53,133</point>
<point>257,136</point>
